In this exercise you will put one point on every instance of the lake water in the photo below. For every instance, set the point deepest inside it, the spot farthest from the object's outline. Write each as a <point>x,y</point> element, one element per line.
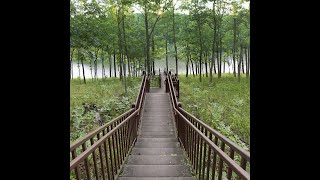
<point>158,64</point>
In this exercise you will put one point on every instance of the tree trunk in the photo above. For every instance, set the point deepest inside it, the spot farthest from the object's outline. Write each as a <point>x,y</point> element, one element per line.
<point>139,65</point>
<point>206,63</point>
<point>120,43</point>
<point>234,47</point>
<point>224,66</point>
<point>242,61</point>
<point>84,77</point>
<point>147,39</point>
<point>214,65</point>
<point>200,55</point>
<point>110,63</point>
<point>219,75</point>
<point>248,64</point>
<point>120,69</point>
<point>152,56</point>
<point>91,67</point>
<point>217,52</point>
<point>214,40</point>
<point>192,66</point>
<point>71,65</point>
<point>174,41</point>
<point>187,66</point>
<point>79,63</point>
<point>196,66</point>
<point>239,63</point>
<point>166,55</point>
<point>126,49</point>
<point>125,79</point>
<point>114,62</point>
<point>102,64</point>
<point>96,64</point>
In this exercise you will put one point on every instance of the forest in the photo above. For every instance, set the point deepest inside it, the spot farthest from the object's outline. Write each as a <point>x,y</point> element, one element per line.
<point>122,38</point>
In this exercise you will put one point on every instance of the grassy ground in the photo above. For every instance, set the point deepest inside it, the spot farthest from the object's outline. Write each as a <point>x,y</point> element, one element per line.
<point>224,105</point>
<point>107,94</point>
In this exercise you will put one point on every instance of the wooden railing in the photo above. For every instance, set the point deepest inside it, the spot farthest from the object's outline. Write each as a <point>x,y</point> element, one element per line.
<point>101,153</point>
<point>210,153</point>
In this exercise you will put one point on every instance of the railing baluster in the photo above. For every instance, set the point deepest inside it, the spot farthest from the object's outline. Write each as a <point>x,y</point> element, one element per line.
<point>194,148</point>
<point>125,138</point>
<point>229,168</point>
<point>94,160</point>
<point>209,158</point>
<point>201,149</point>
<point>101,158</point>
<point>243,163</point>
<point>106,155</point>
<point>115,153</point>
<point>214,159</point>
<point>117,147</point>
<point>221,162</point>
<point>77,171</point>
<point>86,163</point>
<point>204,156</point>
<point>197,153</point>
<point>112,162</point>
<point>200,158</point>
<point>120,144</point>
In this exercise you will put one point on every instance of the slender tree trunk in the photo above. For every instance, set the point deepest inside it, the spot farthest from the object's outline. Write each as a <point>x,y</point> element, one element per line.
<point>147,39</point>
<point>152,56</point>
<point>126,50</point>
<point>102,64</point>
<point>196,64</point>
<point>229,65</point>
<point>239,63</point>
<point>84,77</point>
<point>214,66</point>
<point>140,65</point>
<point>120,68</point>
<point>134,68</point>
<point>187,66</point>
<point>120,46</point>
<point>91,67</point>
<point>125,79</point>
<point>234,47</point>
<point>71,65</point>
<point>166,55</point>
<point>192,66</point>
<point>174,42</point>
<point>214,40</point>
<point>224,66</point>
<point>114,62</point>
<point>200,55</point>
<point>219,75</point>
<point>79,63</point>
<point>96,64</point>
<point>110,64</point>
<point>248,60</point>
<point>242,61</point>
<point>206,63</point>
<point>217,52</point>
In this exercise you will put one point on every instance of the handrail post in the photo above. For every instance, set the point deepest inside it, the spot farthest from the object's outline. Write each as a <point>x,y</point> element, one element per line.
<point>166,81</point>
<point>178,82</point>
<point>159,78</point>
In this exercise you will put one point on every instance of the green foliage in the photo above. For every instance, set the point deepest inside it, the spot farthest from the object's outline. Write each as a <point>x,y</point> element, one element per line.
<point>109,97</point>
<point>224,105</point>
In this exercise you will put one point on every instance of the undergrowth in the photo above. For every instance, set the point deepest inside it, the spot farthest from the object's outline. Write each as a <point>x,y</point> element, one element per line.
<point>223,104</point>
<point>102,95</point>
